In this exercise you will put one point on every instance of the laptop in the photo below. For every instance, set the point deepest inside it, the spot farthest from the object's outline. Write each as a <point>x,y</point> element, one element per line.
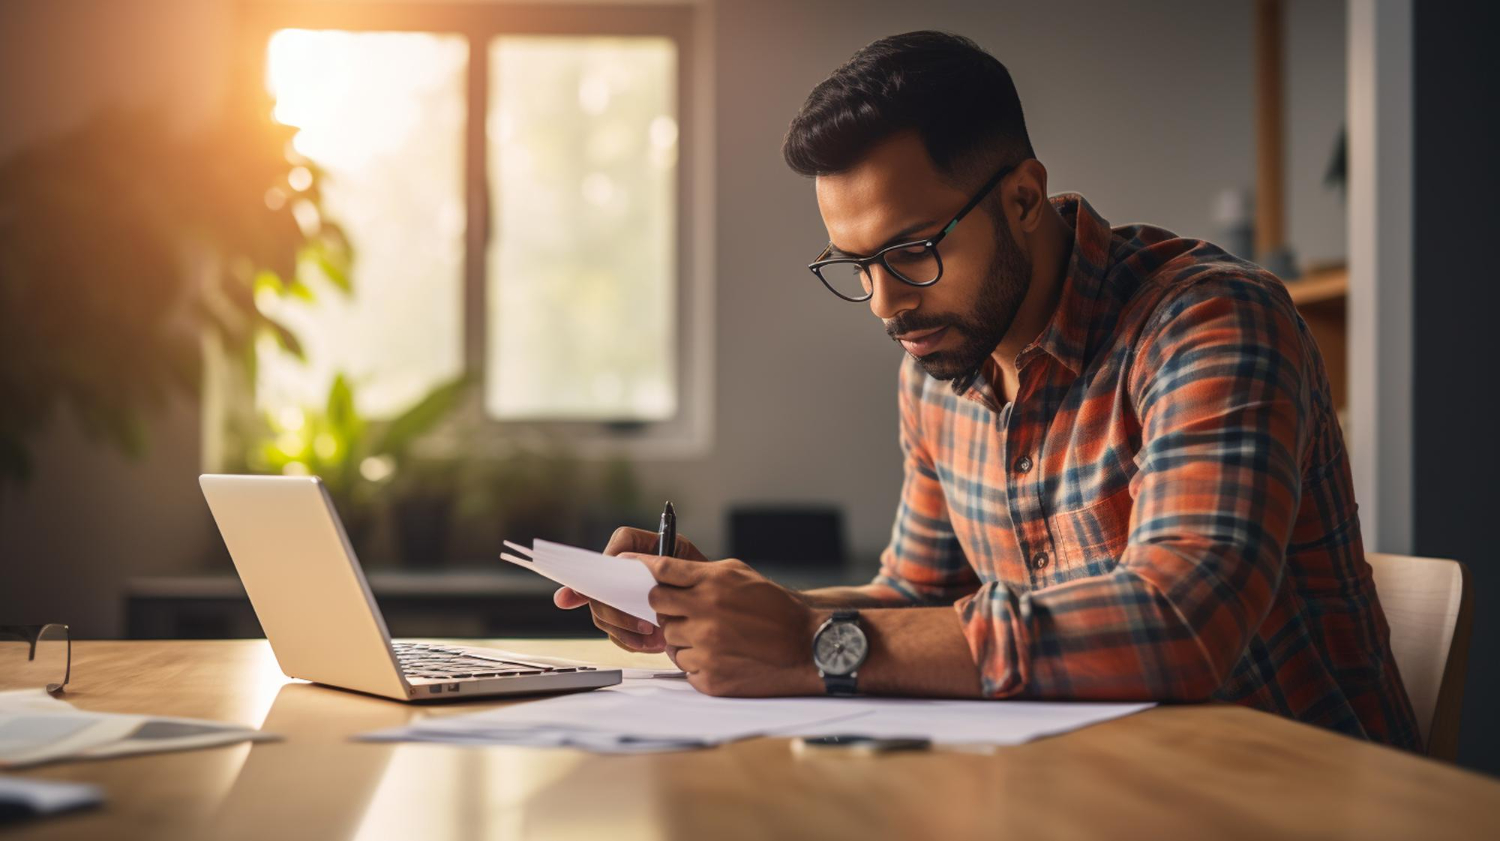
<point>315,606</point>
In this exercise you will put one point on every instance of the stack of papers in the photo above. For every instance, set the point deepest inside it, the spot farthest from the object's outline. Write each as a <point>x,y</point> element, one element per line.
<point>621,583</point>
<point>656,715</point>
<point>638,716</point>
<point>36,728</point>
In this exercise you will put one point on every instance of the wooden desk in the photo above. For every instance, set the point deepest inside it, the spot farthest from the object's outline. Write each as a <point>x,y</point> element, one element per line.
<point>1210,771</point>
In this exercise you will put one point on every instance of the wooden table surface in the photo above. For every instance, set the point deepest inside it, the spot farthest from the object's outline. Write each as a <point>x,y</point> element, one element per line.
<point>1211,771</point>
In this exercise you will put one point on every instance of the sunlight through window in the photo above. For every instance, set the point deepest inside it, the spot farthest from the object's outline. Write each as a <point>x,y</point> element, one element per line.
<point>383,114</point>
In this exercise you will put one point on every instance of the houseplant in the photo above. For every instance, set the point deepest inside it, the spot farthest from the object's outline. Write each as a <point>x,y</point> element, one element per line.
<point>123,244</point>
<point>356,458</point>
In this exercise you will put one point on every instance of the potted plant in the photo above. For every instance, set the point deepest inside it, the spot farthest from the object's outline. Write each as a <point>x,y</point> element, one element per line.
<point>355,457</point>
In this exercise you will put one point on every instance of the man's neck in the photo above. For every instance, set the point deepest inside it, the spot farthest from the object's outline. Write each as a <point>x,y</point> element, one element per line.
<point>1050,247</point>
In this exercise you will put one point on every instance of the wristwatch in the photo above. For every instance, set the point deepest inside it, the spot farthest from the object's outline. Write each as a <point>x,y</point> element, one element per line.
<point>839,649</point>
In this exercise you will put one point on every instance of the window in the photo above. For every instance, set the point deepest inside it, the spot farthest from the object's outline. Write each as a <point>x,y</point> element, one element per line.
<point>583,139</point>
<point>382,113</point>
<point>513,180</point>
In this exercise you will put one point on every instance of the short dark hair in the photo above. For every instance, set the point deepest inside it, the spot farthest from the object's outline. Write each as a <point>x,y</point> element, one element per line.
<point>959,98</point>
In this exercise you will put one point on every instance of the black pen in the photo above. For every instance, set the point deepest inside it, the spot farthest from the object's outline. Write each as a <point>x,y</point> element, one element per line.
<point>666,533</point>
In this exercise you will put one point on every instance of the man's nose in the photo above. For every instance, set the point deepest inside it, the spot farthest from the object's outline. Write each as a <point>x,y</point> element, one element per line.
<point>889,295</point>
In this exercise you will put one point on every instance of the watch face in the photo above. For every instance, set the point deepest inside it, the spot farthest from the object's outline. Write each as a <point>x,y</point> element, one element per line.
<point>840,648</point>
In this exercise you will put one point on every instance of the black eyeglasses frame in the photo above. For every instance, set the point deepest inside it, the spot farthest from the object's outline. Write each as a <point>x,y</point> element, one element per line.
<point>931,244</point>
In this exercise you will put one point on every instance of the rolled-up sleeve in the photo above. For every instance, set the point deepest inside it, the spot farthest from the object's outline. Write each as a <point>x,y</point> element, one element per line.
<point>1220,384</point>
<point>924,563</point>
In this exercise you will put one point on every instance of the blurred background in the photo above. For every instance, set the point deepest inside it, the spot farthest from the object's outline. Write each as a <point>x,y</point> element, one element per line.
<point>517,270</point>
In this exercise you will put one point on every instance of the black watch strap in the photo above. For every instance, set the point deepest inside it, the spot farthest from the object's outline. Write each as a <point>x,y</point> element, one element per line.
<point>841,684</point>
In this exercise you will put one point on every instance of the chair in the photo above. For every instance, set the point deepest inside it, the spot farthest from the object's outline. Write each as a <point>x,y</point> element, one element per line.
<point>1429,605</point>
<point>803,536</point>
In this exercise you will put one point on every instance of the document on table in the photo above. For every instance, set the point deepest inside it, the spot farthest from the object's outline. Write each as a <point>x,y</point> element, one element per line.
<point>637,716</point>
<point>970,722</point>
<point>621,583</point>
<point>656,715</point>
<point>36,728</point>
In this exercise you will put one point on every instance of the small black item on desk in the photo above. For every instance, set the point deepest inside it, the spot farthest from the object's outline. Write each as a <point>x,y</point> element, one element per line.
<point>860,744</point>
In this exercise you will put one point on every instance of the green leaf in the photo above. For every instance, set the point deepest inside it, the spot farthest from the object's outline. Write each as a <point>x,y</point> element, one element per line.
<point>340,402</point>
<point>332,257</point>
<point>285,338</point>
<point>411,424</point>
<point>298,289</point>
<point>268,280</point>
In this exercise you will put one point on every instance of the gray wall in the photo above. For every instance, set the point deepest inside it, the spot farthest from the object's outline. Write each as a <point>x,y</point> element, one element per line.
<point>1144,107</point>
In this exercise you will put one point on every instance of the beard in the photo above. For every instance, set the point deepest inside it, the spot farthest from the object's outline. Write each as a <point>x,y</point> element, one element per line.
<point>985,324</point>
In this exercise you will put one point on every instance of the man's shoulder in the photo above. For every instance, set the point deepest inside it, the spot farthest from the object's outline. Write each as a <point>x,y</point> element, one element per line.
<point>1163,276</point>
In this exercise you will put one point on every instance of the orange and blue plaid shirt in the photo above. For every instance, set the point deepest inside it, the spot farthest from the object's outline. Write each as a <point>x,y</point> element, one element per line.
<point>1164,510</point>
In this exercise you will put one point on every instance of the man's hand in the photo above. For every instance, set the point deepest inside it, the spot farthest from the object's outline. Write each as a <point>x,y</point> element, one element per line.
<point>624,630</point>
<point>732,630</point>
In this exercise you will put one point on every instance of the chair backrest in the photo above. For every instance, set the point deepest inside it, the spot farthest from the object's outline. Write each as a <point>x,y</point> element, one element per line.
<point>805,535</point>
<point>1428,603</point>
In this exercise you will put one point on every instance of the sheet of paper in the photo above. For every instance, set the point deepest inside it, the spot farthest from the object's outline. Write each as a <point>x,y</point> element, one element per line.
<point>32,700</point>
<point>656,711</point>
<point>622,583</point>
<point>35,730</point>
<point>970,722</point>
<point>643,674</point>
<point>656,715</point>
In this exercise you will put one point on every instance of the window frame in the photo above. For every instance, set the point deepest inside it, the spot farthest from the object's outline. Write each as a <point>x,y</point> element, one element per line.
<point>687,432</point>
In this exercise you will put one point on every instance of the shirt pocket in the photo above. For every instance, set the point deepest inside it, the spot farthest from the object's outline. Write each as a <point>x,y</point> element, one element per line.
<point>1090,540</point>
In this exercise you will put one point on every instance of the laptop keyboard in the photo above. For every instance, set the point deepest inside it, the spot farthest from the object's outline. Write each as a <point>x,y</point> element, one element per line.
<point>421,660</point>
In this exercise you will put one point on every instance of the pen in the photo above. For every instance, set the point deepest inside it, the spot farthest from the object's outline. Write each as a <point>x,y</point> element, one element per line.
<point>666,533</point>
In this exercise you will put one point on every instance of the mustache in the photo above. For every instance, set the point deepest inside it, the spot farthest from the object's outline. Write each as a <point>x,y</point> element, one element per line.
<point>912,323</point>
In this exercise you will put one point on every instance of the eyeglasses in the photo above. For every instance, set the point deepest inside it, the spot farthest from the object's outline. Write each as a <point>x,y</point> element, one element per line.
<point>35,656</point>
<point>916,263</point>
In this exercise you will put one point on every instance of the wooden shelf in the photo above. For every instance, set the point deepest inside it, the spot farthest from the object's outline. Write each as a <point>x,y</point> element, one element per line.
<point>1318,286</point>
<point>1322,297</point>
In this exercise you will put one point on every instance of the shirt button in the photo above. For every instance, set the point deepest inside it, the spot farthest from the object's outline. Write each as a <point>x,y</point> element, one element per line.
<point>1023,464</point>
<point>1039,560</point>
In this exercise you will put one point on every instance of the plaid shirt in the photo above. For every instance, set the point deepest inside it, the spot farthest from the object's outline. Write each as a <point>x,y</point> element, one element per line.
<point>1165,509</point>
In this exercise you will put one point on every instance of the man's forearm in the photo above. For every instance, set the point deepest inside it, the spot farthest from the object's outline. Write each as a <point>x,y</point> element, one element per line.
<point>862,596</point>
<point>918,651</point>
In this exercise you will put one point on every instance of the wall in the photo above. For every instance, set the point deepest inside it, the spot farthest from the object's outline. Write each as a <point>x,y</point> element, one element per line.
<point>1454,302</point>
<point>805,398</point>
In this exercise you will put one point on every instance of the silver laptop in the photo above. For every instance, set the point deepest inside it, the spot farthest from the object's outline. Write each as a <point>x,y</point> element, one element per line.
<point>314,604</point>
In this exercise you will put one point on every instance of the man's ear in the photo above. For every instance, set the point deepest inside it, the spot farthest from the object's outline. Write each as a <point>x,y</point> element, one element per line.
<point>1026,196</point>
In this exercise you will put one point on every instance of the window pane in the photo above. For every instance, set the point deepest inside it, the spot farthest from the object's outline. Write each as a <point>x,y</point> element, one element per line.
<point>383,114</point>
<point>582,269</point>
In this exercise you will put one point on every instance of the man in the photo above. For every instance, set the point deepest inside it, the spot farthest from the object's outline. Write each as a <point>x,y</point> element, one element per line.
<point>1124,478</point>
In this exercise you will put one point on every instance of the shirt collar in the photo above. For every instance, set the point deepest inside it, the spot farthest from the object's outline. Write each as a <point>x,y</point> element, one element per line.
<point>1067,334</point>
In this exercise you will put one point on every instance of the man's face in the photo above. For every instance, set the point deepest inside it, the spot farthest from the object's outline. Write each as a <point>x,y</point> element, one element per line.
<point>896,195</point>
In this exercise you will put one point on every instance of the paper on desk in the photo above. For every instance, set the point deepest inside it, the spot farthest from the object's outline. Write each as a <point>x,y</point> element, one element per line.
<point>622,583</point>
<point>655,715</point>
<point>970,722</point>
<point>36,728</point>
<point>637,716</point>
